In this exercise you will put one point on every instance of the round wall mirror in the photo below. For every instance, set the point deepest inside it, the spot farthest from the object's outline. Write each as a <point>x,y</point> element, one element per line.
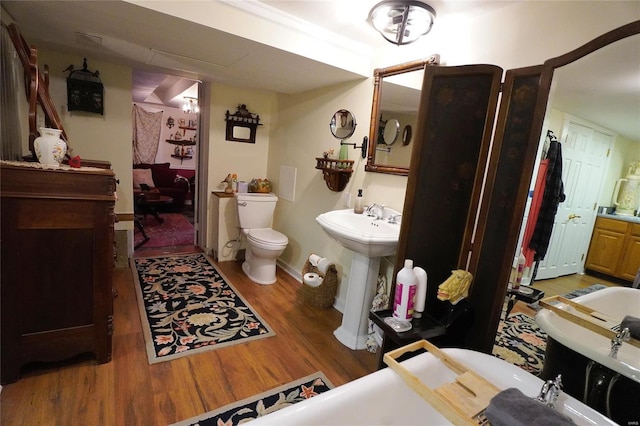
<point>407,133</point>
<point>343,124</point>
<point>391,131</point>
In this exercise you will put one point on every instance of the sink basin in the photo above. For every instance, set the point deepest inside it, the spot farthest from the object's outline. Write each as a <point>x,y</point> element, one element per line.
<point>361,233</point>
<point>370,240</point>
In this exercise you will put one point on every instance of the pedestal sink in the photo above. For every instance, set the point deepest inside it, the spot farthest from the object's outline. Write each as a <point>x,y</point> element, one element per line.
<point>370,239</point>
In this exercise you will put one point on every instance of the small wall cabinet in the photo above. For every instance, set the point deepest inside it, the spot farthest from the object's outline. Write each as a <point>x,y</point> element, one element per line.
<point>615,248</point>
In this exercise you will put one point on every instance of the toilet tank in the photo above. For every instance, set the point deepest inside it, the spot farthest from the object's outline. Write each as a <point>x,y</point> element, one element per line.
<point>255,210</point>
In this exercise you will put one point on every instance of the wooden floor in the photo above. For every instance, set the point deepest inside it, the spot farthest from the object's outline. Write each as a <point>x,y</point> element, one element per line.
<point>569,283</point>
<point>560,286</point>
<point>129,391</point>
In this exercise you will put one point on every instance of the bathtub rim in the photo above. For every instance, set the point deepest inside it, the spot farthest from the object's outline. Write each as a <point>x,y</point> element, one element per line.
<point>561,329</point>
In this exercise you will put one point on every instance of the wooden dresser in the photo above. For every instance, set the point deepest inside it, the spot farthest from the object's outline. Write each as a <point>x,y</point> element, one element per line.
<point>57,263</point>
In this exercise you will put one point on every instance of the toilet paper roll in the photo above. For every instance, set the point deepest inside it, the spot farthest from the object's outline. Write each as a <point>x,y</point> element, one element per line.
<point>323,265</point>
<point>311,279</point>
<point>314,259</point>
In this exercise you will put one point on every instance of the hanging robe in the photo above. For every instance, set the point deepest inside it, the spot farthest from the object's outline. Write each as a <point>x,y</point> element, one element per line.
<point>534,211</point>
<point>552,197</point>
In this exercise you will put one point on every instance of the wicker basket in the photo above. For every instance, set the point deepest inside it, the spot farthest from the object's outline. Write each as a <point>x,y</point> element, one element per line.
<point>322,296</point>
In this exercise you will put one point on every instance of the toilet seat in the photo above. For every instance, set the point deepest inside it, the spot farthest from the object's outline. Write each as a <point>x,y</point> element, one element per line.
<point>267,237</point>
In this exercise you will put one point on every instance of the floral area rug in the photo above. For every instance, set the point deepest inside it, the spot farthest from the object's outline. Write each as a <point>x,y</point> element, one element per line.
<point>187,306</point>
<point>263,404</point>
<point>520,342</point>
<point>175,230</point>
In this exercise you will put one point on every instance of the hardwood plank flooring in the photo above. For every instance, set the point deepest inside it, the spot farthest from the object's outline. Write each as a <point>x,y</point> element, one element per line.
<point>561,285</point>
<point>129,391</point>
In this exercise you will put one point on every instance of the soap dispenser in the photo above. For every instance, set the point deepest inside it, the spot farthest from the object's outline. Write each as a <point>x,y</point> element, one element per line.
<point>359,206</point>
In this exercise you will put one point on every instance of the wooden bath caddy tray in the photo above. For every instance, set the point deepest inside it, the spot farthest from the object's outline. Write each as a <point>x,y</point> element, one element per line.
<point>586,317</point>
<point>463,401</point>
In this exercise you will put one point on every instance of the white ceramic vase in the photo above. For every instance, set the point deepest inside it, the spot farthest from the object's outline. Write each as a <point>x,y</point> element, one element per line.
<point>50,148</point>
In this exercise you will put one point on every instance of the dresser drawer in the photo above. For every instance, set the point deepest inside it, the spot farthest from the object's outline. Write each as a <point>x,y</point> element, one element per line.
<point>612,225</point>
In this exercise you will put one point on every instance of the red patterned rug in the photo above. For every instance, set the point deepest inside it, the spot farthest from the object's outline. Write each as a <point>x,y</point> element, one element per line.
<point>176,230</point>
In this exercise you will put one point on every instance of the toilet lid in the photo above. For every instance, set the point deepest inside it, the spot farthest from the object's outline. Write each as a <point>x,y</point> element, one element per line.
<point>267,236</point>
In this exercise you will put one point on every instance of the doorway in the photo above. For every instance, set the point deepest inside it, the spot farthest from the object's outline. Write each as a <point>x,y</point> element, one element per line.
<point>585,150</point>
<point>171,162</point>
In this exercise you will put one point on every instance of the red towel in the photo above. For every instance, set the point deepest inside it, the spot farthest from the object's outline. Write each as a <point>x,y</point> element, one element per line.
<point>536,202</point>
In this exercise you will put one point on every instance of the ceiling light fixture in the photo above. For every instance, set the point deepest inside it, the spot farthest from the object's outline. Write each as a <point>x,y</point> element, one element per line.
<point>402,21</point>
<point>190,105</point>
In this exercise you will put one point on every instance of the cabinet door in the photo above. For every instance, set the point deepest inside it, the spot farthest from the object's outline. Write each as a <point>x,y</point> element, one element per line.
<point>631,259</point>
<point>605,251</point>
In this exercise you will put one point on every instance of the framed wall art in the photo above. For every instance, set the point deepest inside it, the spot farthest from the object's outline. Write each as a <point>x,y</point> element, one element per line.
<point>242,125</point>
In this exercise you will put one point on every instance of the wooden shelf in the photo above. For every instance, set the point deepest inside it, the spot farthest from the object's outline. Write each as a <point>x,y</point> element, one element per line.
<point>181,142</point>
<point>336,173</point>
<point>187,128</point>
<point>182,157</point>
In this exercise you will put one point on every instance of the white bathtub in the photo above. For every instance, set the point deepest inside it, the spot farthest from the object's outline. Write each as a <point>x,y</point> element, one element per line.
<point>613,301</point>
<point>382,398</point>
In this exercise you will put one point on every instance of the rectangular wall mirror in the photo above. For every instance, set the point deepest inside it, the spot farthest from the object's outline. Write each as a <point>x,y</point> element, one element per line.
<point>394,112</point>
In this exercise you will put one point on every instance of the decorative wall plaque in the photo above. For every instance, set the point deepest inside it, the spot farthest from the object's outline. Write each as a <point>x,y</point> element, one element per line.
<point>85,91</point>
<point>242,126</point>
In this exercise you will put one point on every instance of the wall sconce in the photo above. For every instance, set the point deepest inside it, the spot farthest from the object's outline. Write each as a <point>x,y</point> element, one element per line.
<point>190,105</point>
<point>402,21</point>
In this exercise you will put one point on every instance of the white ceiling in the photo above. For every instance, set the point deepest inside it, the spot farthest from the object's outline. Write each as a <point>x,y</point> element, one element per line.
<point>164,49</point>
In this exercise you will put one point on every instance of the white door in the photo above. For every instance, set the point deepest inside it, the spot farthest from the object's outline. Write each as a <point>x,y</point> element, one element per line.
<point>584,154</point>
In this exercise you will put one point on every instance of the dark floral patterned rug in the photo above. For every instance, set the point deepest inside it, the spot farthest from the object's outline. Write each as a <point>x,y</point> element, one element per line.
<point>187,306</point>
<point>263,404</point>
<point>521,342</point>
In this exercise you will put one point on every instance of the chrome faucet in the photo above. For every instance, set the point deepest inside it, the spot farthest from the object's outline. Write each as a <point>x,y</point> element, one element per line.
<point>376,210</point>
<point>623,336</point>
<point>550,391</point>
<point>394,218</point>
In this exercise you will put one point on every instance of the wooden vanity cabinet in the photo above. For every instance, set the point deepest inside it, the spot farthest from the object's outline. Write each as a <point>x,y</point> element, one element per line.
<point>615,248</point>
<point>57,263</point>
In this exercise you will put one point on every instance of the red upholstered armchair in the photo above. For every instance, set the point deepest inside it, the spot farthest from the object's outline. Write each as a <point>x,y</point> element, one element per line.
<point>165,180</point>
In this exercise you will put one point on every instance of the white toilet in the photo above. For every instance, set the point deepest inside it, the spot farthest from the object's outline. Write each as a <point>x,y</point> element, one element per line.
<point>264,245</point>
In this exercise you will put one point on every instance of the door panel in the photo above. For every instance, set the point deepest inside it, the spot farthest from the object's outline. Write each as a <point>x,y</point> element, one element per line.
<point>451,148</point>
<point>584,154</point>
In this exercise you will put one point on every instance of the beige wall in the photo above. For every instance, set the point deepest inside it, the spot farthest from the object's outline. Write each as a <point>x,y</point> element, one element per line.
<point>94,136</point>
<point>295,128</point>
<point>246,160</point>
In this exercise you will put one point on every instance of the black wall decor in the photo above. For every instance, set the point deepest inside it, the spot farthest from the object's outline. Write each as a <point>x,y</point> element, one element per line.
<point>85,91</point>
<point>242,126</point>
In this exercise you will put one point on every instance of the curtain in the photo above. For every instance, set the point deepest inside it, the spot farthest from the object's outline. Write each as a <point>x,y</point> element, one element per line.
<point>10,72</point>
<point>146,135</point>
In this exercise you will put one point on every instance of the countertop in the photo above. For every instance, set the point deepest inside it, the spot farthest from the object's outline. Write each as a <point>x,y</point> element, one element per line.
<point>222,194</point>
<point>624,218</point>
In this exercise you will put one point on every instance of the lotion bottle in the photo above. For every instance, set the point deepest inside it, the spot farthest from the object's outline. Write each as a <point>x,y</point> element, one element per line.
<point>421,294</point>
<point>359,206</point>
<point>405,295</point>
